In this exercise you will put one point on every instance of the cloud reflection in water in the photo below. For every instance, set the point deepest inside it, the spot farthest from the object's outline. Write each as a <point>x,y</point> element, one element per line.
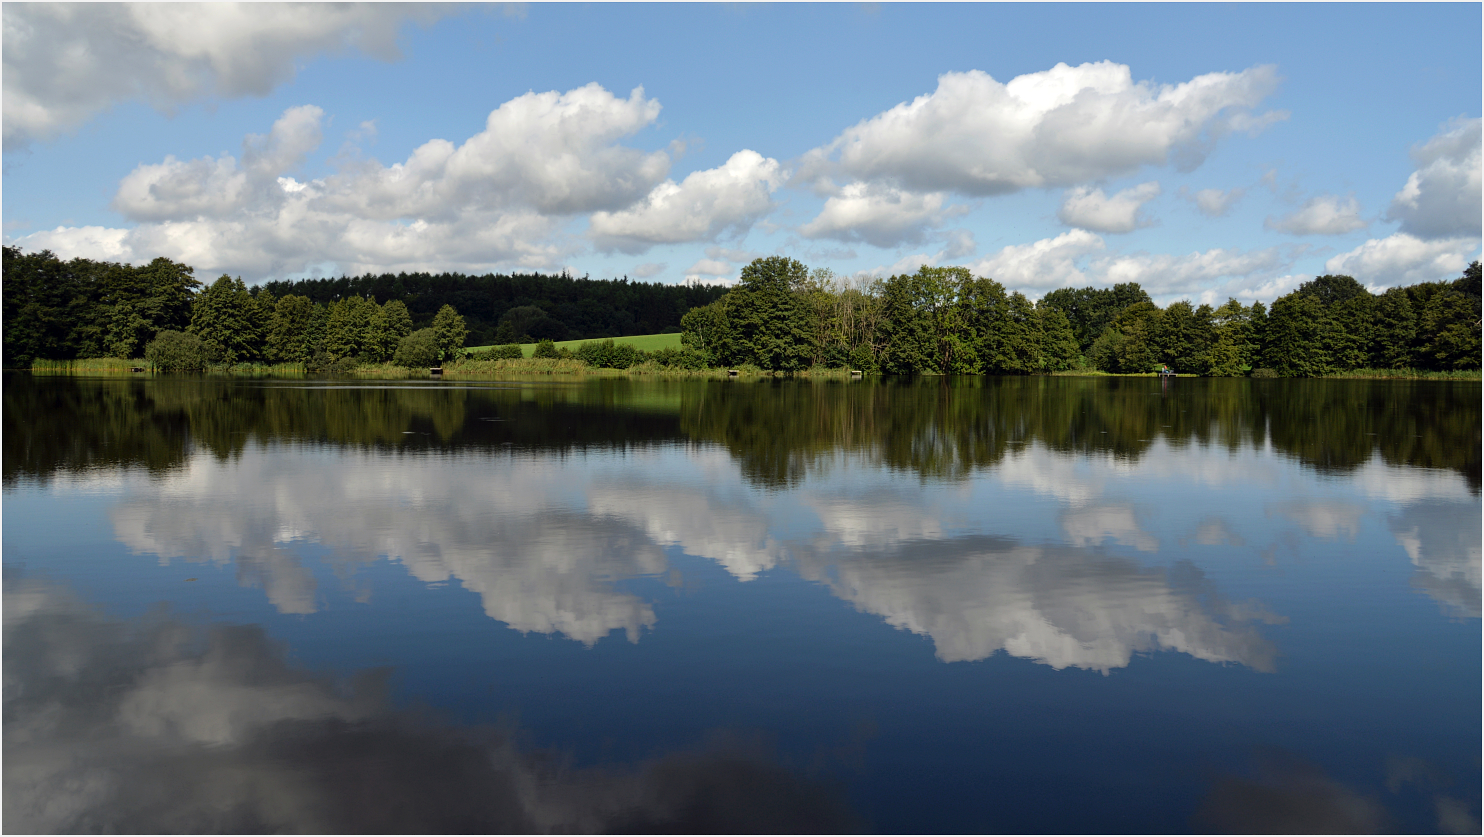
<point>544,539</point>
<point>156,726</point>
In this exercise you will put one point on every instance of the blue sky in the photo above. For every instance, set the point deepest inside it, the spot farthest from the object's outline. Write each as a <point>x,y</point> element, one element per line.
<point>1202,150</point>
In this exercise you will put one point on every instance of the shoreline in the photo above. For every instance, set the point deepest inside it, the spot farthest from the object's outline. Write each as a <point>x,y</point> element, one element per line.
<point>570,367</point>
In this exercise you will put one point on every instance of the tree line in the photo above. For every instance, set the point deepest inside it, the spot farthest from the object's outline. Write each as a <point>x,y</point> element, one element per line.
<point>520,308</point>
<point>944,320</point>
<point>60,310</point>
<point>781,316</point>
<point>64,310</point>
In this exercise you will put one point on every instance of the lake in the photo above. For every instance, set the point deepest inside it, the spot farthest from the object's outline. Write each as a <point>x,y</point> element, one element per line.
<point>1045,604</point>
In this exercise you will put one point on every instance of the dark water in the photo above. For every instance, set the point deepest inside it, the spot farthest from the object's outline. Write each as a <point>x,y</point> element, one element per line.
<point>990,605</point>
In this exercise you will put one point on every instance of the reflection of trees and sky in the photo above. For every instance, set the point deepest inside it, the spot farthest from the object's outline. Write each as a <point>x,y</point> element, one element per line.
<point>620,569</point>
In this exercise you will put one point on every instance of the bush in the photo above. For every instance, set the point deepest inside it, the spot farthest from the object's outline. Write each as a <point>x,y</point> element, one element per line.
<point>323,361</point>
<point>686,358</point>
<point>418,350</point>
<point>176,351</point>
<point>605,354</point>
<point>546,349</point>
<point>1265,373</point>
<point>510,351</point>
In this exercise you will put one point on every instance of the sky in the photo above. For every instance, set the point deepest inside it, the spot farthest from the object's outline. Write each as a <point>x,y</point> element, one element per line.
<point>1205,151</point>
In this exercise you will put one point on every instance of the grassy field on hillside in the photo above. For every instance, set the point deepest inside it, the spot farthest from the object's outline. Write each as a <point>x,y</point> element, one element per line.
<point>643,342</point>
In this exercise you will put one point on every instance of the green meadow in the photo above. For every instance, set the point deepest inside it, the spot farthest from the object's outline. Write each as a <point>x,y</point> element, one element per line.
<point>642,342</point>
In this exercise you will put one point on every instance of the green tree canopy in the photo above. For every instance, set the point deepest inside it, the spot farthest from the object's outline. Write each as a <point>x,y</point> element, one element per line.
<point>449,329</point>
<point>418,350</point>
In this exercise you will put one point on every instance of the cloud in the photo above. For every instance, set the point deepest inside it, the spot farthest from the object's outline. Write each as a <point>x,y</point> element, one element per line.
<point>1078,257</point>
<point>537,566</point>
<point>1441,199</point>
<point>1439,211</point>
<point>1213,203</point>
<point>1324,519</point>
<point>1089,526</point>
<point>1064,126</point>
<point>1048,263</point>
<point>707,203</point>
<point>1402,259</point>
<point>956,245</point>
<point>66,62</point>
<point>1090,209</point>
<point>1320,215</point>
<point>497,199</point>
<point>217,188</point>
<point>157,726</point>
<point>1288,796</point>
<point>1063,607</point>
<point>1442,540</point>
<point>878,215</point>
<point>710,267</point>
<point>551,152</point>
<point>648,269</point>
<point>1167,276</point>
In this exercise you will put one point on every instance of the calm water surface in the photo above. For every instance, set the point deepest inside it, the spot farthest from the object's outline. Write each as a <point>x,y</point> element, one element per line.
<point>988,605</point>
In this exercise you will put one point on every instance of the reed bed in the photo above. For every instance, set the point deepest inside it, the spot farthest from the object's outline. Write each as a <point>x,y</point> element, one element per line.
<point>1411,374</point>
<point>96,364</point>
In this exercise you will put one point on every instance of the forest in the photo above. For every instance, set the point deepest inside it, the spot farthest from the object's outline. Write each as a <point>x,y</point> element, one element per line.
<point>63,310</point>
<point>944,320</point>
<point>519,308</point>
<point>781,316</point>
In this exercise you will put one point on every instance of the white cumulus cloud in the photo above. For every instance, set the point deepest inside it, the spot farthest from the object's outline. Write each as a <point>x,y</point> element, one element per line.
<point>1060,127</point>
<point>1441,199</point>
<point>701,207</point>
<point>879,215</point>
<point>1078,257</point>
<point>1402,259</point>
<point>497,199</point>
<point>1320,215</point>
<point>553,152</point>
<point>1213,203</point>
<point>1090,209</point>
<point>66,62</point>
<point>1044,264</point>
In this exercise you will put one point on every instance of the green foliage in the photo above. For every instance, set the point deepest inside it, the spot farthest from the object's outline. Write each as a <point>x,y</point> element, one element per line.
<point>1233,346</point>
<point>389,324</point>
<point>1297,325</point>
<point>449,329</point>
<point>1182,336</point>
<point>684,358</point>
<point>348,328</point>
<point>175,351</point>
<point>768,322</point>
<point>81,308</point>
<point>573,307</point>
<point>1394,330</point>
<point>1450,325</point>
<point>1091,310</point>
<point>418,350</point>
<point>510,351</point>
<point>546,349</point>
<point>41,306</point>
<point>227,319</point>
<point>606,354</point>
<point>291,330</point>
<point>526,323</point>
<point>1059,351</point>
<point>1128,344</point>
